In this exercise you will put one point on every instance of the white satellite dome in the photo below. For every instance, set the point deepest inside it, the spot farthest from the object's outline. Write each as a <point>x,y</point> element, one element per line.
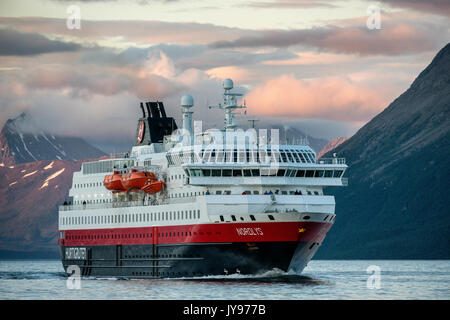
<point>228,84</point>
<point>187,100</point>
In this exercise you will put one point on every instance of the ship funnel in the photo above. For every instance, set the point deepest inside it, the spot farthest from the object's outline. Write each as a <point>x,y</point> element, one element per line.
<point>143,111</point>
<point>187,102</point>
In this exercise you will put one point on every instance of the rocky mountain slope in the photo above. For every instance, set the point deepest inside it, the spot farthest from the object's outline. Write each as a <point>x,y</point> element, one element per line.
<point>397,203</point>
<point>29,197</point>
<point>22,140</point>
<point>331,146</point>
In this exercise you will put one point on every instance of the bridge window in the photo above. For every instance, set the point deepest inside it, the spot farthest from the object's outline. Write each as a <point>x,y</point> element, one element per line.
<point>309,173</point>
<point>226,172</point>
<point>215,172</point>
<point>237,173</point>
<point>247,173</point>
<point>337,173</point>
<point>319,174</point>
<point>328,173</point>
<point>300,173</point>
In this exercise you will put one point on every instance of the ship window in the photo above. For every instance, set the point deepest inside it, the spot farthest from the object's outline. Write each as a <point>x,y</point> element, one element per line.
<point>300,173</point>
<point>218,192</point>
<point>247,173</point>
<point>215,172</point>
<point>316,193</point>
<point>206,172</point>
<point>319,174</point>
<point>289,157</point>
<point>284,192</point>
<point>256,192</point>
<point>226,172</point>
<point>295,155</point>
<point>228,156</point>
<point>306,217</point>
<point>328,173</point>
<point>233,217</point>
<point>337,173</point>
<point>252,217</point>
<point>237,173</point>
<point>222,219</point>
<point>271,217</point>
<point>301,157</point>
<point>255,172</point>
<point>309,173</point>
<point>283,156</point>
<point>281,172</point>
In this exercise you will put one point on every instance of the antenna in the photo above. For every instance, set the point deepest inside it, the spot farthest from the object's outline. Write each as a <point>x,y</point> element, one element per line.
<point>253,122</point>
<point>230,104</point>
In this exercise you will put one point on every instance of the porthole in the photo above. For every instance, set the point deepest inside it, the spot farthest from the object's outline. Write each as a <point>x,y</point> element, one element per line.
<point>306,217</point>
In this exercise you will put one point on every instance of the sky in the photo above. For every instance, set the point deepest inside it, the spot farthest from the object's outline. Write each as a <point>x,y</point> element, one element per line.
<point>326,67</point>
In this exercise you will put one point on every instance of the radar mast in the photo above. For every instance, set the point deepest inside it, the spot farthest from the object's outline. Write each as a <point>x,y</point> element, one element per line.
<point>229,104</point>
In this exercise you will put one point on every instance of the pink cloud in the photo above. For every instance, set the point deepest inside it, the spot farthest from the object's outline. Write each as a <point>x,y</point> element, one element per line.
<point>329,98</point>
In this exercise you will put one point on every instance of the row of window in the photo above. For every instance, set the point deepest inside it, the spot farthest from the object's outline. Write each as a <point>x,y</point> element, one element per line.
<point>241,156</point>
<point>88,185</point>
<point>107,236</point>
<point>292,173</point>
<point>132,217</point>
<point>105,166</point>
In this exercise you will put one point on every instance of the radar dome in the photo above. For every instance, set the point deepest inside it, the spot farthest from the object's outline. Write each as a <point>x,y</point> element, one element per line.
<point>228,84</point>
<point>187,100</point>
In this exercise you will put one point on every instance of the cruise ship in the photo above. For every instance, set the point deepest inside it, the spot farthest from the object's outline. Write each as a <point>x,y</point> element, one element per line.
<point>186,202</point>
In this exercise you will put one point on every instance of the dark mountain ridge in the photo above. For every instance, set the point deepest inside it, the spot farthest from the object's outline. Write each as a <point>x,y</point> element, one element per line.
<point>397,204</point>
<point>22,141</point>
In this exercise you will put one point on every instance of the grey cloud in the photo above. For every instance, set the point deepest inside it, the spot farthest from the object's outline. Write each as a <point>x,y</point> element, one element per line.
<point>392,39</point>
<point>439,7</point>
<point>290,4</point>
<point>15,43</point>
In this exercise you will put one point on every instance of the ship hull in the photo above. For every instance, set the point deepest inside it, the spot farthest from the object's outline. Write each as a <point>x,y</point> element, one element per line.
<point>187,260</point>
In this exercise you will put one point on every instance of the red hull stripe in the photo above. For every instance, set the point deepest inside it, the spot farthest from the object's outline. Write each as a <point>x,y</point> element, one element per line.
<point>200,233</point>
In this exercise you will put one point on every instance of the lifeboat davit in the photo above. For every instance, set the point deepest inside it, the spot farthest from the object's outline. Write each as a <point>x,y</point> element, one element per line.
<point>114,182</point>
<point>136,179</point>
<point>153,187</point>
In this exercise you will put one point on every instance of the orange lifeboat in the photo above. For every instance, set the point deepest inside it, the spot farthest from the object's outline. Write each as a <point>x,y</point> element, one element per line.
<point>114,181</point>
<point>153,187</point>
<point>136,179</point>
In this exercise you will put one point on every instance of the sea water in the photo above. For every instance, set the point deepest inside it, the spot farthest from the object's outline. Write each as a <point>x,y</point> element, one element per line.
<point>321,279</point>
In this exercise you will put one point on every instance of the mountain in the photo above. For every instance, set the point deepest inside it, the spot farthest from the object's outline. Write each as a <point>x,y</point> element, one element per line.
<point>397,203</point>
<point>29,197</point>
<point>331,146</point>
<point>22,141</point>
